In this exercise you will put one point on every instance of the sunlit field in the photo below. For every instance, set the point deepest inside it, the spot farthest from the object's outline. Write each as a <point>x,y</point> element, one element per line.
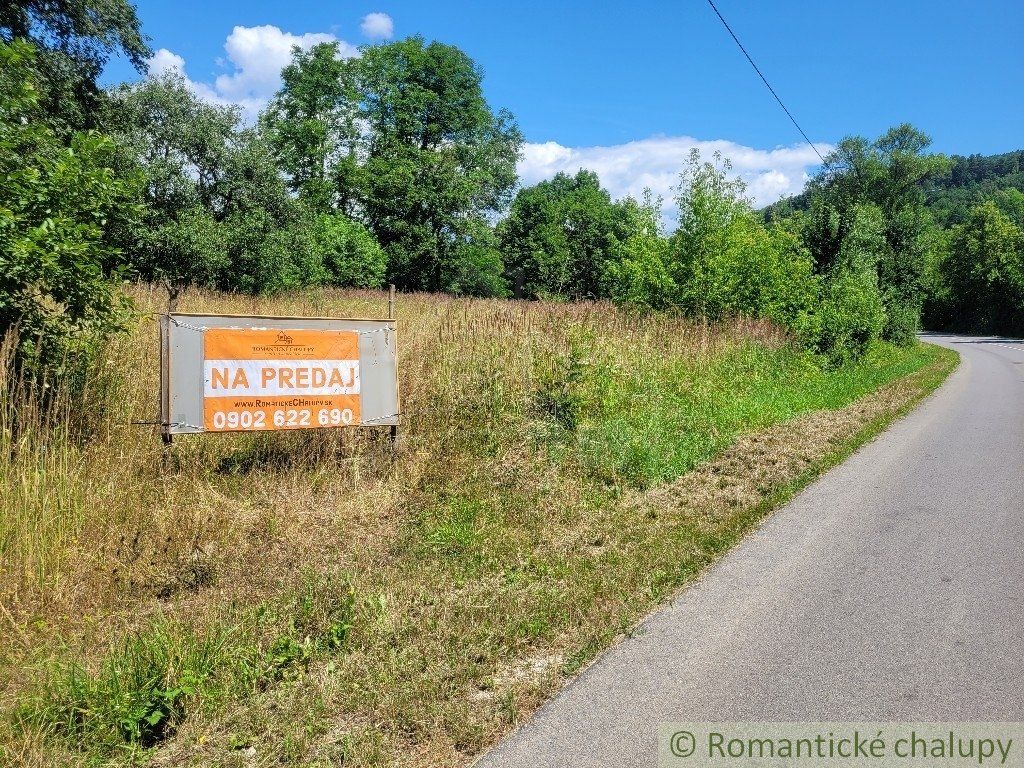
<point>326,596</point>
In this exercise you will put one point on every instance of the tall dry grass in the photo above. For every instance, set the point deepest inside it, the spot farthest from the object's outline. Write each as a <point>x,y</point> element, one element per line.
<point>484,555</point>
<point>88,518</point>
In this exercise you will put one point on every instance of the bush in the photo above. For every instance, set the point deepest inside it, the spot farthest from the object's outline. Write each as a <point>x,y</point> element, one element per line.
<point>351,256</point>
<point>638,272</point>
<point>265,258</point>
<point>58,206</point>
<point>727,262</point>
<point>901,323</point>
<point>849,317</point>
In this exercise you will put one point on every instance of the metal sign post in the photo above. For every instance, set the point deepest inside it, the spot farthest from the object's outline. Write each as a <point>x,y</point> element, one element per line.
<point>391,316</point>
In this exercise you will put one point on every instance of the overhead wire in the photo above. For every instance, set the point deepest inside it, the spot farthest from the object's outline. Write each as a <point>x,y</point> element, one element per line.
<point>765,81</point>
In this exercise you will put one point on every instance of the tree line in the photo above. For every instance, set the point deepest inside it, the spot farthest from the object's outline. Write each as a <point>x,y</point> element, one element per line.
<point>391,166</point>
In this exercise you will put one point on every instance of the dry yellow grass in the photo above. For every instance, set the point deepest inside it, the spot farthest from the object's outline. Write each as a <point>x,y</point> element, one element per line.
<point>496,552</point>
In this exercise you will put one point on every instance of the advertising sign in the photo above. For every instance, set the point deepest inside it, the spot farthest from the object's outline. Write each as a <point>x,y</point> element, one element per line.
<point>240,374</point>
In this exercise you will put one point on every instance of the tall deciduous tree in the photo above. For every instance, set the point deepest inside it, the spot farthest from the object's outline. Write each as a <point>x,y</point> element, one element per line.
<point>725,261</point>
<point>439,165</point>
<point>75,39</point>
<point>312,125</point>
<point>890,174</point>
<point>218,210</point>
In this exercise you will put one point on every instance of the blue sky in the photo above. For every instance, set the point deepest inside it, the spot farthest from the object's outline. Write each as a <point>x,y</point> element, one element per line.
<point>627,89</point>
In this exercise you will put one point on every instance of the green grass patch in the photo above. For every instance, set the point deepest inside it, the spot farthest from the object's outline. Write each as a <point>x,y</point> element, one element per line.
<point>664,420</point>
<point>153,678</point>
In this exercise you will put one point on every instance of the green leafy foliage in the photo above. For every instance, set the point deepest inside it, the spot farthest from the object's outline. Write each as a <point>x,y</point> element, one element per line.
<point>60,206</point>
<point>638,272</point>
<point>885,204</point>
<point>559,237</point>
<point>74,39</point>
<point>980,280</point>
<point>218,211</point>
<point>849,317</point>
<point>726,261</point>
<point>312,126</point>
<point>438,163</point>
<point>351,255</point>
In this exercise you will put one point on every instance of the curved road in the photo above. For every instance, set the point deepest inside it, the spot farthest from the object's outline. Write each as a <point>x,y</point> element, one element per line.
<point>891,589</point>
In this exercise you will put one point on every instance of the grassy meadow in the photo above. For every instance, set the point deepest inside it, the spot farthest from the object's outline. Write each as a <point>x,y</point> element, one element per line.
<point>326,598</point>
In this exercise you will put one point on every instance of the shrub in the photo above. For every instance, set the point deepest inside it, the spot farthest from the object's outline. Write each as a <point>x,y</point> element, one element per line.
<point>849,316</point>
<point>901,322</point>
<point>351,255</point>
<point>58,204</point>
<point>727,262</point>
<point>638,272</point>
<point>265,258</point>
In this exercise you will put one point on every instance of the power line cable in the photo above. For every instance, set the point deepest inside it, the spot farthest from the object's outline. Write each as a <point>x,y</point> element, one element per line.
<point>765,80</point>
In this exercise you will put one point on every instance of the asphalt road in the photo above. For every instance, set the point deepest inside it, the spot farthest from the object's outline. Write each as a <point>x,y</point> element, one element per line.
<point>892,589</point>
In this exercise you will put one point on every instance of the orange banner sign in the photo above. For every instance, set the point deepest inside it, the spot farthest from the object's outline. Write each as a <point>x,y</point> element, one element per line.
<point>257,379</point>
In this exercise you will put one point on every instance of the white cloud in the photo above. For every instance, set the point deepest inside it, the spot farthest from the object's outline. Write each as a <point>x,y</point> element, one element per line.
<point>163,61</point>
<point>256,56</point>
<point>655,163</point>
<point>377,26</point>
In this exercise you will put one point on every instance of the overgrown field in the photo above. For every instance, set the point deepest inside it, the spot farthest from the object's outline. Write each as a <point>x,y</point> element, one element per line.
<point>323,598</point>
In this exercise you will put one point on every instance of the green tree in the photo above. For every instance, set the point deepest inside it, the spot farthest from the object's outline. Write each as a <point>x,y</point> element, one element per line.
<point>983,274</point>
<point>560,235</point>
<point>726,262</point>
<point>58,205</point>
<point>312,125</point>
<point>438,164</point>
<point>1011,203</point>
<point>218,211</point>
<point>890,174</point>
<point>74,39</point>
<point>638,272</point>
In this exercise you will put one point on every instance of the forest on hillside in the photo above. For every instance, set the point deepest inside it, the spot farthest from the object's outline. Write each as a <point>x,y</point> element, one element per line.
<point>391,166</point>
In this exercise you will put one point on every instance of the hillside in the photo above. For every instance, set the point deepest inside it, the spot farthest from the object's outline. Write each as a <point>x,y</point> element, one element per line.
<point>972,180</point>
